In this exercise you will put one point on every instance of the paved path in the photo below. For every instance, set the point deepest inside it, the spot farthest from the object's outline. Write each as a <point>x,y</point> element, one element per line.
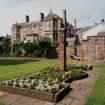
<point>78,96</point>
<point>81,89</point>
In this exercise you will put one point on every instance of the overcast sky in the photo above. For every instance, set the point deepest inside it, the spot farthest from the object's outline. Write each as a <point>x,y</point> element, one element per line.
<point>87,12</point>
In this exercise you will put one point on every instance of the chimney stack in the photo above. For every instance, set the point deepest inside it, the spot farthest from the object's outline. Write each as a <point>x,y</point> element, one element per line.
<point>75,25</point>
<point>64,18</point>
<point>26,18</point>
<point>41,16</point>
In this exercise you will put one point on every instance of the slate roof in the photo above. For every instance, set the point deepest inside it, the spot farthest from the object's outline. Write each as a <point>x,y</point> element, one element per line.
<point>90,27</point>
<point>83,29</point>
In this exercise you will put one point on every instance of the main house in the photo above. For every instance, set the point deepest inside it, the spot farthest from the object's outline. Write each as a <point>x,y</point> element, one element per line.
<point>47,26</point>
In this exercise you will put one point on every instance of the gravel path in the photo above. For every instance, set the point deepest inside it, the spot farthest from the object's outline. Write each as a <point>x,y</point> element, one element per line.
<point>81,89</point>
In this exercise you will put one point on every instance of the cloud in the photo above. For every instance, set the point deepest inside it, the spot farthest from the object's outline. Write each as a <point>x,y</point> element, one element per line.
<point>85,11</point>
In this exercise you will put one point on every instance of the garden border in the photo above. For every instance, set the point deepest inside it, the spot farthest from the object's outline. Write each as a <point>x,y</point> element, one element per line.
<point>37,94</point>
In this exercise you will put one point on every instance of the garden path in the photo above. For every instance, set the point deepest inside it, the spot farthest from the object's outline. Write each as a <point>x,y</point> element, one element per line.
<point>81,89</point>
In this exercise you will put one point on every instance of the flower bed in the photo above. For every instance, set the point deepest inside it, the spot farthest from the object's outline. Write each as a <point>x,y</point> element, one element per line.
<point>47,84</point>
<point>52,97</point>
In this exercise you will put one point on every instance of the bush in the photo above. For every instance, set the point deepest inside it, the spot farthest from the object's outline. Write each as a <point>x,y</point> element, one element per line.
<point>29,48</point>
<point>76,72</point>
<point>42,48</point>
<point>37,53</point>
<point>44,44</point>
<point>13,54</point>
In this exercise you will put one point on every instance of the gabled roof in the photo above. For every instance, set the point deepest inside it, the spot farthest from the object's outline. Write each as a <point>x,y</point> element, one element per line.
<point>51,15</point>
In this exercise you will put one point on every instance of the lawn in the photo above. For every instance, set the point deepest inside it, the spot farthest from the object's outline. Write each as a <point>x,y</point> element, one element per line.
<point>10,69</point>
<point>15,68</point>
<point>1,104</point>
<point>98,95</point>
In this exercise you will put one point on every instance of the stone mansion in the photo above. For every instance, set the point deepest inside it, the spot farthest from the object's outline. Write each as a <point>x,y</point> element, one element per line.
<point>47,26</point>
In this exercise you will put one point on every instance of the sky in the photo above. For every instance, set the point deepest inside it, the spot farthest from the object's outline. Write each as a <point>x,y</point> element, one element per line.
<point>86,12</point>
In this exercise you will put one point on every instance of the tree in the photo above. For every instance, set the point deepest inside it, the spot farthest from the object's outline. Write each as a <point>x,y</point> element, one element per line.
<point>44,44</point>
<point>15,50</point>
<point>29,47</point>
<point>5,46</point>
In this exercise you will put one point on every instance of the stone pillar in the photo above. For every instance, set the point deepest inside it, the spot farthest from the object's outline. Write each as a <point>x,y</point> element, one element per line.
<point>62,44</point>
<point>62,50</point>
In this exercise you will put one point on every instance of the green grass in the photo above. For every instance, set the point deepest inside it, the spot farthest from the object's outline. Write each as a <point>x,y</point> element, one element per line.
<point>98,95</point>
<point>1,104</point>
<point>10,69</point>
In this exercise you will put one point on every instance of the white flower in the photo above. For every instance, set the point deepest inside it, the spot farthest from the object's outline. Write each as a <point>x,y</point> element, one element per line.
<point>14,83</point>
<point>40,81</point>
<point>46,84</point>
<point>21,84</point>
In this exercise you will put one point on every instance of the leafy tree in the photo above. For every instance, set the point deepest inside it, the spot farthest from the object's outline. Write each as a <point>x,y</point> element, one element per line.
<point>1,50</point>
<point>29,47</point>
<point>44,44</point>
<point>41,48</point>
<point>37,53</point>
<point>5,46</point>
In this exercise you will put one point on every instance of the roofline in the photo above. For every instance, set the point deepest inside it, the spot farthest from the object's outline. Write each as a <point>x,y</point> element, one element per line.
<point>93,27</point>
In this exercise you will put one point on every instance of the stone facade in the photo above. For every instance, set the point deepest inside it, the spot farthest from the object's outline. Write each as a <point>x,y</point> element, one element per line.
<point>47,26</point>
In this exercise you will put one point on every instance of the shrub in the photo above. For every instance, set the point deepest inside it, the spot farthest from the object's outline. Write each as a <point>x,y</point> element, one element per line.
<point>28,47</point>
<point>37,53</point>
<point>44,44</point>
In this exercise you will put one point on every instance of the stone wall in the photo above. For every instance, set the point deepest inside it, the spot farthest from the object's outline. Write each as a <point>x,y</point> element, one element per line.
<point>93,48</point>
